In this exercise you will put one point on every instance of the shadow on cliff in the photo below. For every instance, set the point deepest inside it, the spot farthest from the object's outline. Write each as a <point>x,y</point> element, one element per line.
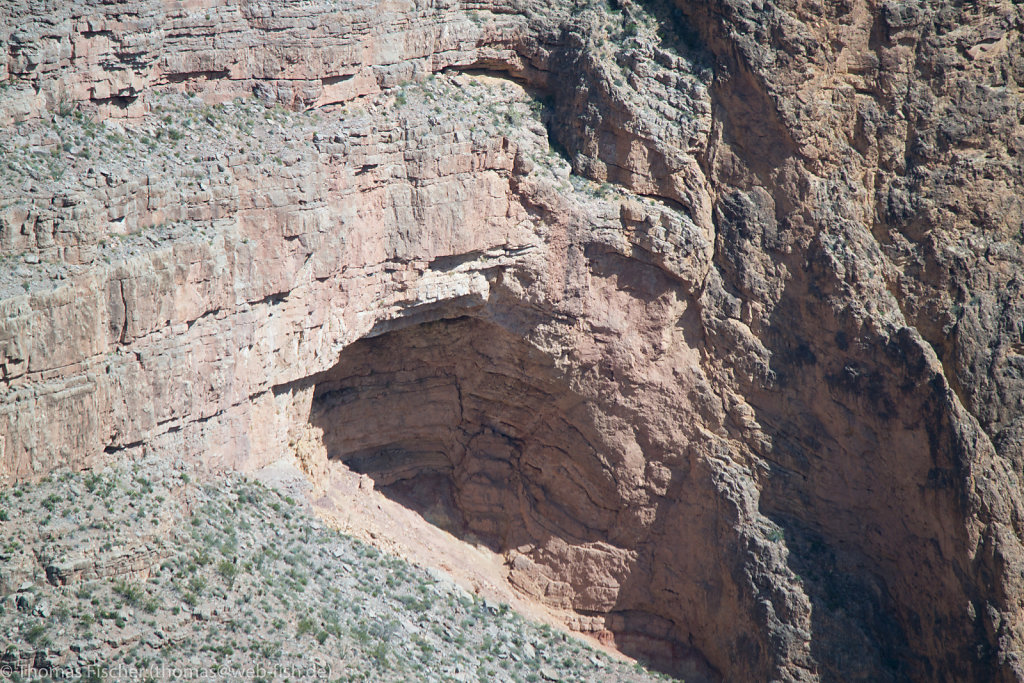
<point>480,434</point>
<point>825,489</point>
<point>863,469</point>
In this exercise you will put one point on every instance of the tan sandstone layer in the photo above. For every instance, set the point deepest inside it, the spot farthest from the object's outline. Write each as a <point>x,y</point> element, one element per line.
<point>708,320</point>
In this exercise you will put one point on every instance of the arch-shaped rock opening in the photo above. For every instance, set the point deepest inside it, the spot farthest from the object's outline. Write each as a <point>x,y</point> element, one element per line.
<point>470,426</point>
<point>484,436</point>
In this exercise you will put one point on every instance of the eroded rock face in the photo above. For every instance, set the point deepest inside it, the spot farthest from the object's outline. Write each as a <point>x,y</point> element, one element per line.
<point>472,426</point>
<point>708,319</point>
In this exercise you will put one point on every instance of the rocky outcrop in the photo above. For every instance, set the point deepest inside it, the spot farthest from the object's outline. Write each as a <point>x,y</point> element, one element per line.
<point>705,315</point>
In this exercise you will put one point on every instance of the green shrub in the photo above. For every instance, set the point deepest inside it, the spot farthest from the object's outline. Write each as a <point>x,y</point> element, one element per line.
<point>132,594</point>
<point>228,570</point>
<point>305,626</point>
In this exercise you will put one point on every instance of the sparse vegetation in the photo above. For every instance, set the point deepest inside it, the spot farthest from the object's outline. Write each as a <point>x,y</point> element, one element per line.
<point>283,590</point>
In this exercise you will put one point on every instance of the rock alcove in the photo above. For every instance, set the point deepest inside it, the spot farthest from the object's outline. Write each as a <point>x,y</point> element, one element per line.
<point>483,435</point>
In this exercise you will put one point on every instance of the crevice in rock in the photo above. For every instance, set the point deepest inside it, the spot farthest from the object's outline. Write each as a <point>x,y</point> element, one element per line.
<point>331,80</point>
<point>119,101</point>
<point>193,75</point>
<point>122,336</point>
<point>114,448</point>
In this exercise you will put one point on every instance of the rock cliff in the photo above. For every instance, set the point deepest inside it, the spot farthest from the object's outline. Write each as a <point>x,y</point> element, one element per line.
<point>707,316</point>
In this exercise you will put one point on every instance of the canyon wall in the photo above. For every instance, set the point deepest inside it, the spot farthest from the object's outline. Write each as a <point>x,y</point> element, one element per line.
<point>707,316</point>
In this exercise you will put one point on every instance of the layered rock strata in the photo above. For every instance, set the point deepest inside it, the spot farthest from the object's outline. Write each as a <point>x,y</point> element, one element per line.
<point>706,315</point>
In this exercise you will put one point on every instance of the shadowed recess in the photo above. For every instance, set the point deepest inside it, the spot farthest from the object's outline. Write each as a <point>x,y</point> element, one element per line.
<point>480,433</point>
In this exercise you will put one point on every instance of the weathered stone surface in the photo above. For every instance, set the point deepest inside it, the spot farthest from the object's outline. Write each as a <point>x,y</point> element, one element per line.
<point>710,321</point>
